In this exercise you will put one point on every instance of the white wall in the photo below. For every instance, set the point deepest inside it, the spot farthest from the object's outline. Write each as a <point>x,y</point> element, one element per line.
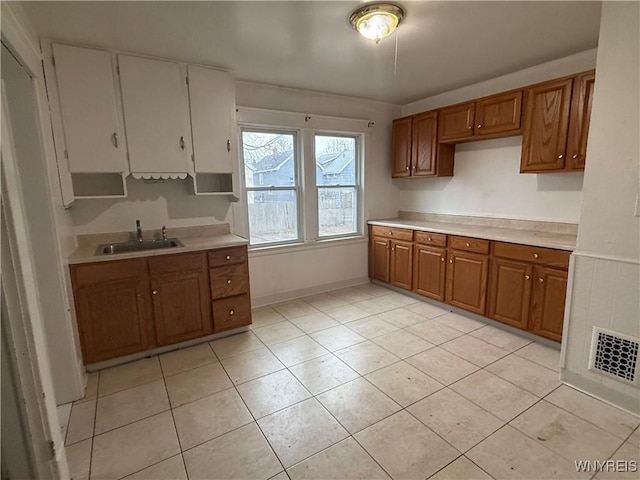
<point>605,281</point>
<point>487,179</point>
<point>280,276</point>
<point>169,203</point>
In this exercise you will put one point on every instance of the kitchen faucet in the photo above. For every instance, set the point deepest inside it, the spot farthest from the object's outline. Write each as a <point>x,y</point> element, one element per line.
<point>138,231</point>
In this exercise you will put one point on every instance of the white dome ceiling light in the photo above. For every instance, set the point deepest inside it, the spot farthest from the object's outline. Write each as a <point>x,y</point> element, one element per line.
<point>376,21</point>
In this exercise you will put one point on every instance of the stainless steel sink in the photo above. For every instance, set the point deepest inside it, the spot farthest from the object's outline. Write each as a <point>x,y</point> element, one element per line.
<point>129,247</point>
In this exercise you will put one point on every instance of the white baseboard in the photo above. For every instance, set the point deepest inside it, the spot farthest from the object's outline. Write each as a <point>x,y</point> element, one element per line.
<point>619,400</point>
<point>304,292</point>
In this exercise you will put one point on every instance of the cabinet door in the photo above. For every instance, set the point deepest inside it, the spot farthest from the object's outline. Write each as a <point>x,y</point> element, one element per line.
<point>429,268</point>
<point>547,302</point>
<point>456,123</point>
<point>181,306</point>
<point>424,144</point>
<point>401,264</point>
<point>499,113</point>
<point>544,138</point>
<point>579,122</point>
<point>510,292</point>
<point>467,281</point>
<point>88,103</point>
<point>380,250</point>
<point>156,113</point>
<point>401,145</point>
<point>113,319</point>
<point>213,111</point>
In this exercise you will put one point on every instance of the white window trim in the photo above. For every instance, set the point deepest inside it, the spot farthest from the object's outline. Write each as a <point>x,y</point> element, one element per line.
<point>307,127</point>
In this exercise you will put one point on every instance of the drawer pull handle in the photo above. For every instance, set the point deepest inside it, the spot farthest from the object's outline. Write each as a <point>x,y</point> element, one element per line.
<point>229,282</point>
<point>527,277</point>
<point>228,257</point>
<point>541,280</point>
<point>535,255</point>
<point>468,244</point>
<point>155,292</point>
<point>231,312</point>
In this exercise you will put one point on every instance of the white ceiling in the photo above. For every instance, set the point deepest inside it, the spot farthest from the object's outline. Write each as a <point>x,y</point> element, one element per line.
<point>442,45</point>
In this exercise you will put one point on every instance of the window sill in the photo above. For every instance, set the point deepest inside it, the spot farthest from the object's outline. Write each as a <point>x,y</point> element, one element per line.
<point>312,245</point>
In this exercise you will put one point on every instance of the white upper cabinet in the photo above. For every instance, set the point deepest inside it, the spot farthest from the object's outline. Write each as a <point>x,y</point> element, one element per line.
<point>156,114</point>
<point>93,134</point>
<point>213,126</point>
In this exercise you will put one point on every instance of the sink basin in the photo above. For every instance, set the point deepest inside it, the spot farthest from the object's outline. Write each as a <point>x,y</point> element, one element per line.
<point>129,247</point>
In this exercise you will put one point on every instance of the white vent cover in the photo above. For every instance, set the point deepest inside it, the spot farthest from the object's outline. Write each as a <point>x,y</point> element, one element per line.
<point>614,354</point>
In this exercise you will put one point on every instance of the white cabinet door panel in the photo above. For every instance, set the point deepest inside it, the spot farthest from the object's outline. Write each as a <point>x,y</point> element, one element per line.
<point>156,113</point>
<point>213,112</point>
<point>92,131</point>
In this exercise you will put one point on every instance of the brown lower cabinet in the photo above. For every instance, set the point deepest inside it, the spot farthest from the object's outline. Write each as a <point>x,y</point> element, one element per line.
<point>547,302</point>
<point>519,285</point>
<point>129,306</point>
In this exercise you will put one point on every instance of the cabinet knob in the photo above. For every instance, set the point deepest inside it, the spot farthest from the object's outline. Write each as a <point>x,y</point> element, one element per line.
<point>479,125</point>
<point>451,261</point>
<point>442,259</point>
<point>138,295</point>
<point>561,156</point>
<point>527,277</point>
<point>229,282</point>
<point>231,312</point>
<point>390,232</point>
<point>429,238</point>
<point>470,127</point>
<point>574,156</point>
<point>407,169</point>
<point>155,292</point>
<point>393,248</point>
<point>535,255</point>
<point>541,280</point>
<point>228,257</point>
<point>467,244</point>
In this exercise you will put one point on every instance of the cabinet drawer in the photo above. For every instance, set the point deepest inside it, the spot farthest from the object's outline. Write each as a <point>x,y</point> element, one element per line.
<point>231,312</point>
<point>108,271</point>
<point>427,238</point>
<point>469,244</point>
<point>229,281</point>
<point>227,256</point>
<point>544,256</point>
<point>397,233</point>
<point>176,263</point>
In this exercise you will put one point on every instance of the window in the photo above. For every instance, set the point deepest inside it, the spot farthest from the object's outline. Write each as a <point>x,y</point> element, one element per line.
<point>272,187</point>
<point>302,184</point>
<point>336,161</point>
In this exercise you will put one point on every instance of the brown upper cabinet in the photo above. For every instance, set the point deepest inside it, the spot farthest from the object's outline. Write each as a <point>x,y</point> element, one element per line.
<point>490,117</point>
<point>499,114</point>
<point>456,122</point>
<point>556,124</point>
<point>416,151</point>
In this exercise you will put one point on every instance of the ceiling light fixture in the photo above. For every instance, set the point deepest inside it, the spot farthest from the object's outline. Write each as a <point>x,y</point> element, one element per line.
<point>376,20</point>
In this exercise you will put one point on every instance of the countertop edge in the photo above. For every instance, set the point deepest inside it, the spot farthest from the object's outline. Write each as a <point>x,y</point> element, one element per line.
<point>86,254</point>
<point>524,237</point>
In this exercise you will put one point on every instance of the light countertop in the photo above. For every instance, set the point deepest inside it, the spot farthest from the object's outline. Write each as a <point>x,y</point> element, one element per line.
<point>539,237</point>
<point>193,239</point>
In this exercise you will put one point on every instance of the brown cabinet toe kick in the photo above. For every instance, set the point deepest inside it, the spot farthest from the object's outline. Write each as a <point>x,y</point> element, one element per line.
<point>130,306</point>
<point>519,285</point>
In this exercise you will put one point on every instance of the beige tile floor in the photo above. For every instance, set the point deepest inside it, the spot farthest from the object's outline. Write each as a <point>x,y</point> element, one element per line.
<point>361,382</point>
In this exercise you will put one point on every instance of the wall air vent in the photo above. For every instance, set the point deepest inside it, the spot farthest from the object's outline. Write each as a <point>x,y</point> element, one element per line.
<point>614,354</point>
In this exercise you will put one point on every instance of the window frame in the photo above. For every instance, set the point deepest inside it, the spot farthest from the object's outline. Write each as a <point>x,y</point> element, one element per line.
<point>297,187</point>
<point>306,127</point>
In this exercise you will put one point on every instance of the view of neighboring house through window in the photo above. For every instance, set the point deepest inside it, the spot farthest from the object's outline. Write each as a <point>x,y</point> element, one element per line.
<point>272,186</point>
<point>336,181</point>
